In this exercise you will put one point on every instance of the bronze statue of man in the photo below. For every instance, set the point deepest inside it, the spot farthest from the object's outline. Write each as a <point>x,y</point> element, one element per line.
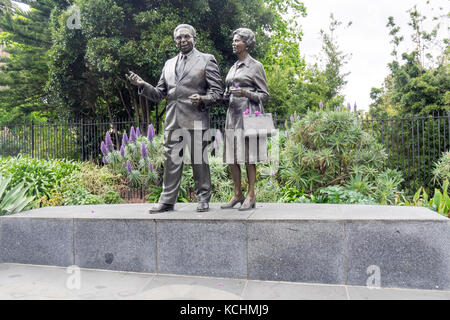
<point>191,83</point>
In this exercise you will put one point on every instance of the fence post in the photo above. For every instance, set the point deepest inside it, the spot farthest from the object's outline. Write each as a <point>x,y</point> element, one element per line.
<point>448,118</point>
<point>82,139</point>
<point>32,139</point>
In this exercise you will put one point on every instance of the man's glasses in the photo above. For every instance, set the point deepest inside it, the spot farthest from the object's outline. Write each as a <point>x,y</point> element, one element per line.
<point>180,38</point>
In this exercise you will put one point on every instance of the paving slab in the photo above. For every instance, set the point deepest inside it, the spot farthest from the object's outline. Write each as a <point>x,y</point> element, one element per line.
<point>25,282</point>
<point>258,290</point>
<point>167,287</point>
<point>363,293</point>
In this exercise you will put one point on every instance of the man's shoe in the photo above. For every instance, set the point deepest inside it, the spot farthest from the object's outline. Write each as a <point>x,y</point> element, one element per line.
<point>161,207</point>
<point>203,207</point>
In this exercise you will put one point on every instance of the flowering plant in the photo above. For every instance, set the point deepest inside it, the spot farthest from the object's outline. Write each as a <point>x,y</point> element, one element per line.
<point>139,158</point>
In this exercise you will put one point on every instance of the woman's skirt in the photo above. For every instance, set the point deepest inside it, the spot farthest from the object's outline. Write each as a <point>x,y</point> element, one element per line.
<point>239,149</point>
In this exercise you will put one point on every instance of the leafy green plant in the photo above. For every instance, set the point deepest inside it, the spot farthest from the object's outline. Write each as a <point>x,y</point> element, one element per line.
<point>440,201</point>
<point>326,149</point>
<point>40,176</point>
<point>441,170</point>
<point>341,195</point>
<point>387,186</point>
<point>14,200</point>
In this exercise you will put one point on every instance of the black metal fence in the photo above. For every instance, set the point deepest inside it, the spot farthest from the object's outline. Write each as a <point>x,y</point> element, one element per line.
<point>413,144</point>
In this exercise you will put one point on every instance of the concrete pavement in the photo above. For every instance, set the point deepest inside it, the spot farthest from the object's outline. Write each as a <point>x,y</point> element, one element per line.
<point>28,282</point>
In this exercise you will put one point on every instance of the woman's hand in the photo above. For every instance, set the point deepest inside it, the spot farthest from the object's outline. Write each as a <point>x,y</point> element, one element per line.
<point>239,92</point>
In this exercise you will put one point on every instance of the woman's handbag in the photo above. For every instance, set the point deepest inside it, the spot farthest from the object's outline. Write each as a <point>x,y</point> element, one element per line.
<point>258,123</point>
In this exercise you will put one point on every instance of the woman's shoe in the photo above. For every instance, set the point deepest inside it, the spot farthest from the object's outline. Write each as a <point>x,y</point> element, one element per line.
<point>231,204</point>
<point>248,205</point>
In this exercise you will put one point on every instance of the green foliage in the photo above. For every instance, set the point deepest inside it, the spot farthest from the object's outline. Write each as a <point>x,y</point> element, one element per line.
<point>440,202</point>
<point>441,170</point>
<point>27,39</point>
<point>41,176</point>
<point>418,83</point>
<point>342,195</point>
<point>63,182</point>
<point>12,199</point>
<point>327,148</point>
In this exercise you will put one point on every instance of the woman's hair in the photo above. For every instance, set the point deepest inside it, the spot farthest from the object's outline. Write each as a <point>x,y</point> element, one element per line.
<point>248,37</point>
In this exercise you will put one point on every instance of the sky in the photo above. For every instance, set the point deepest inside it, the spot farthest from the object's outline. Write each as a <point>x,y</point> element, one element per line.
<point>367,39</point>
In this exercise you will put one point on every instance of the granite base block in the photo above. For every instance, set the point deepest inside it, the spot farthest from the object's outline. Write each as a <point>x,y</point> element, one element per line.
<point>202,248</point>
<point>37,241</point>
<point>121,245</point>
<point>297,251</point>
<point>402,254</point>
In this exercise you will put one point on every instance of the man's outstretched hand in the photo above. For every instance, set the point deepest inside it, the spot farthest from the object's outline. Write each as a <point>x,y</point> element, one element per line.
<point>134,79</point>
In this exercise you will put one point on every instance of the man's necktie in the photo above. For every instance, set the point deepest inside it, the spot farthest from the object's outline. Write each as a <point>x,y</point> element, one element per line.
<point>180,66</point>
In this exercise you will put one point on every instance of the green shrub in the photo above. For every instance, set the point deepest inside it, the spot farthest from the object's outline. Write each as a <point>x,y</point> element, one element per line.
<point>439,203</point>
<point>342,195</point>
<point>441,170</point>
<point>326,149</point>
<point>40,176</point>
<point>13,199</point>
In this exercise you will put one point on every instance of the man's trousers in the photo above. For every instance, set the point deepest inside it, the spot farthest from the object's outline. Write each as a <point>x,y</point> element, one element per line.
<point>175,144</point>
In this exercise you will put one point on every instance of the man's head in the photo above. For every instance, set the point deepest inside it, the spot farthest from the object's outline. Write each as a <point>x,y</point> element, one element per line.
<point>185,36</point>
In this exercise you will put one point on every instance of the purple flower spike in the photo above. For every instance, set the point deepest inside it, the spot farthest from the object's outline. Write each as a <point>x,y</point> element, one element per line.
<point>355,107</point>
<point>272,174</point>
<point>124,165</point>
<point>349,107</point>
<point>132,135</point>
<point>150,132</point>
<point>138,132</point>
<point>129,167</point>
<point>103,148</point>
<point>144,152</point>
<point>292,118</point>
<point>287,134</point>
<point>321,105</point>
<point>151,167</point>
<point>122,150</point>
<point>125,139</point>
<point>109,143</point>
<point>298,117</point>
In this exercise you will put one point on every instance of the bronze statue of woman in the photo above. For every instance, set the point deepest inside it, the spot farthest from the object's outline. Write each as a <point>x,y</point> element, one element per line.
<point>246,89</point>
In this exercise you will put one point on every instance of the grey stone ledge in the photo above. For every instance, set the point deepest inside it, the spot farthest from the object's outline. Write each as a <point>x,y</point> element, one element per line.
<point>263,212</point>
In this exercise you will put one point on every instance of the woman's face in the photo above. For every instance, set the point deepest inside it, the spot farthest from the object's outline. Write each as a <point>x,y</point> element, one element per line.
<point>239,46</point>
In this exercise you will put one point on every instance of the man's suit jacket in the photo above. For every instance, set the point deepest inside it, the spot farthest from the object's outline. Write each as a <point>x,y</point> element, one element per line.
<point>201,76</point>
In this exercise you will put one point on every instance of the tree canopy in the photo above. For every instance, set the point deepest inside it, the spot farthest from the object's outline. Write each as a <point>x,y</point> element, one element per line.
<point>419,79</point>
